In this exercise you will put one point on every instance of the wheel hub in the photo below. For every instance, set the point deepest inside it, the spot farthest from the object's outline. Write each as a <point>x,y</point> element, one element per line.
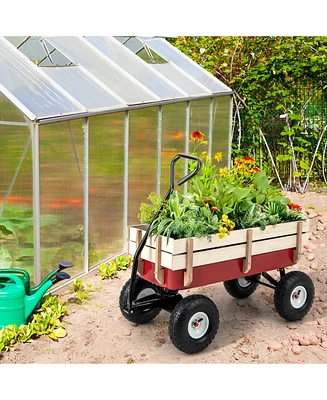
<point>298,296</point>
<point>243,282</point>
<point>198,325</point>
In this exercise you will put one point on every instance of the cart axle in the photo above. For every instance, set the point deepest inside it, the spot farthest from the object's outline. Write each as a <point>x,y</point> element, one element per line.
<point>153,301</point>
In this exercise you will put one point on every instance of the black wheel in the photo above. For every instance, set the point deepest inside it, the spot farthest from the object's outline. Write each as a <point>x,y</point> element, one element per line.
<point>193,323</point>
<point>242,287</point>
<point>294,295</point>
<point>142,288</point>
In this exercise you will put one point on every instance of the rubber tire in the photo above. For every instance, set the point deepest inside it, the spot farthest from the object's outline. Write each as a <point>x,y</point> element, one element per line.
<point>145,316</point>
<point>236,290</point>
<point>179,320</point>
<point>283,292</point>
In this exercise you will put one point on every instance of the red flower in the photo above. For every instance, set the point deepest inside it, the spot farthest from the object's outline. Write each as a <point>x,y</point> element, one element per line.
<point>255,169</point>
<point>206,201</point>
<point>214,208</point>
<point>295,207</point>
<point>248,160</point>
<point>197,135</point>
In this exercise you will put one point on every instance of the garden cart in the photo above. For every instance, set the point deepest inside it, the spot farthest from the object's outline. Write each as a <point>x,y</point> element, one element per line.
<point>162,268</point>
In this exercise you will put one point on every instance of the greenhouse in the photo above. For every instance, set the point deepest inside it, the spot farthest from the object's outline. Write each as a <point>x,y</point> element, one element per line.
<point>88,128</point>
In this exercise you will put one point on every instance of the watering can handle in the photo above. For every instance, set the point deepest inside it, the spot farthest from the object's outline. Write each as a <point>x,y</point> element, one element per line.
<point>14,278</point>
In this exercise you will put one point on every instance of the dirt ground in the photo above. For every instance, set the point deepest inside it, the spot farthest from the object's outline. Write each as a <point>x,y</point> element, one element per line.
<point>250,330</point>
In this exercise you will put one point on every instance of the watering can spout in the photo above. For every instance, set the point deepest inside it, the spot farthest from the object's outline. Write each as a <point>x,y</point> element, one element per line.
<point>32,300</point>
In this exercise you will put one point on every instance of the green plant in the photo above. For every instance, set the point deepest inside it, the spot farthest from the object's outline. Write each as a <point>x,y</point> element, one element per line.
<point>111,269</point>
<point>230,198</point>
<point>82,293</point>
<point>148,211</point>
<point>279,95</point>
<point>46,321</point>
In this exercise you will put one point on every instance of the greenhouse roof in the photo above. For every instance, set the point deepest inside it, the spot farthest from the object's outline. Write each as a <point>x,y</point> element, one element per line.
<point>55,78</point>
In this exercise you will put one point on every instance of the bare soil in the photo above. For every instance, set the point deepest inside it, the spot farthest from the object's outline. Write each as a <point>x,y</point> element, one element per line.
<point>250,330</point>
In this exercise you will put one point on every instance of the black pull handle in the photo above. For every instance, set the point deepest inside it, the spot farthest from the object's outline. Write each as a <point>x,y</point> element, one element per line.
<point>187,177</point>
<point>59,277</point>
<point>64,264</point>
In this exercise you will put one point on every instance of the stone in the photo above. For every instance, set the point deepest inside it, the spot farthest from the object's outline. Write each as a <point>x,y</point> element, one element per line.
<point>311,256</point>
<point>314,341</point>
<point>275,346</point>
<point>314,266</point>
<point>296,349</point>
<point>304,342</point>
<point>312,214</point>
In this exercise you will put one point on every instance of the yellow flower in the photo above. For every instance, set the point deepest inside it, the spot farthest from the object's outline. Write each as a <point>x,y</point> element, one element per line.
<point>224,218</point>
<point>221,235</point>
<point>204,155</point>
<point>219,156</point>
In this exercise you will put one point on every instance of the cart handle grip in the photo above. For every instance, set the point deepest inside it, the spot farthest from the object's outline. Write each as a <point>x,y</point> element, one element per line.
<point>187,177</point>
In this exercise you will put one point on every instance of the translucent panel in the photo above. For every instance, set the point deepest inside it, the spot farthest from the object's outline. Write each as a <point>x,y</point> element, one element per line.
<point>221,128</point>
<point>61,195</point>
<point>16,40</point>
<point>179,78</point>
<point>133,44</point>
<point>200,118</point>
<point>173,142</point>
<point>150,56</point>
<point>142,163</point>
<point>80,86</point>
<point>169,52</point>
<point>32,92</point>
<point>112,76</point>
<point>122,39</point>
<point>106,187</point>
<point>34,50</point>
<point>16,198</point>
<point>132,64</point>
<point>58,59</point>
<point>8,111</point>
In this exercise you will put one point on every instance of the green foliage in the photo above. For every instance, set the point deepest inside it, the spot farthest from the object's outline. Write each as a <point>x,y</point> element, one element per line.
<point>111,269</point>
<point>148,211</point>
<point>82,293</point>
<point>235,198</point>
<point>271,76</point>
<point>46,321</point>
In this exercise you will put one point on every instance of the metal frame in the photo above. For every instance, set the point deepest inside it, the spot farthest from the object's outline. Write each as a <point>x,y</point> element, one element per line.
<point>86,194</point>
<point>36,202</point>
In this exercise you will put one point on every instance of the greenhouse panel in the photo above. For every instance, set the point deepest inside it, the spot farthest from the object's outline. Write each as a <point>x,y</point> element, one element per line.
<point>16,198</point>
<point>106,187</point>
<point>61,154</point>
<point>142,158</point>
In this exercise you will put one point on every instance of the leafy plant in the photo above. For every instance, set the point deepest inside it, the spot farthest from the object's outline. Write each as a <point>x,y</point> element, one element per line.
<point>231,198</point>
<point>46,321</point>
<point>111,269</point>
<point>279,98</point>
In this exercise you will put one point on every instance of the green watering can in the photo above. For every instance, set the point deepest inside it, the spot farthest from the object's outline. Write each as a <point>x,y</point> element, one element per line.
<point>18,299</point>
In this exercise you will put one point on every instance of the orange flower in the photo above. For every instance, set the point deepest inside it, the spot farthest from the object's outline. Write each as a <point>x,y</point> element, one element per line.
<point>255,169</point>
<point>248,160</point>
<point>197,135</point>
<point>295,207</point>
